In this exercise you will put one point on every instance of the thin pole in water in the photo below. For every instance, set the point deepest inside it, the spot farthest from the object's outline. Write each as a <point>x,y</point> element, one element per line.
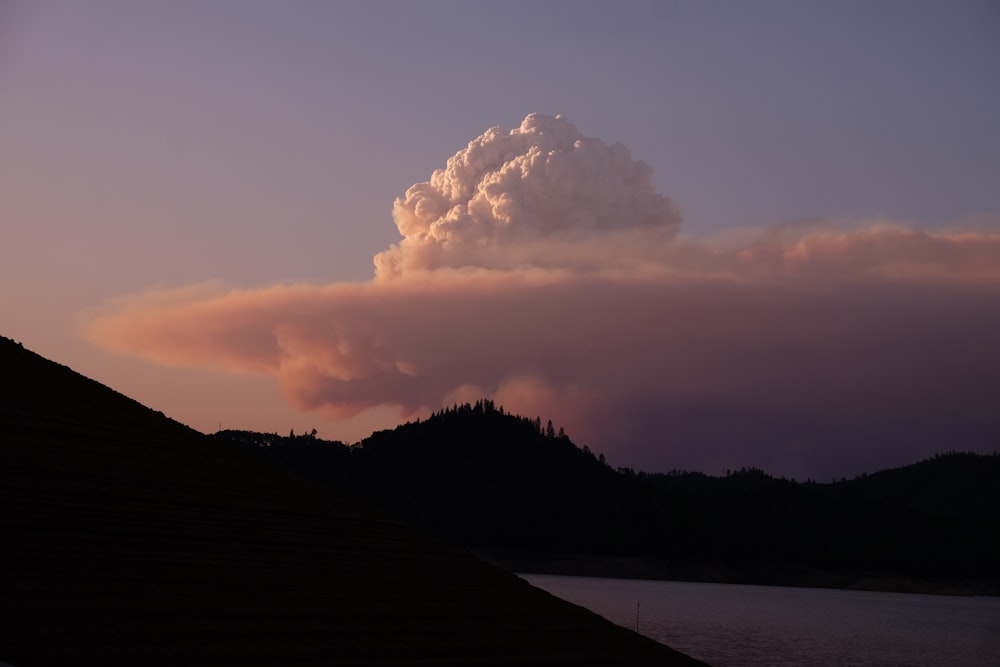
<point>637,615</point>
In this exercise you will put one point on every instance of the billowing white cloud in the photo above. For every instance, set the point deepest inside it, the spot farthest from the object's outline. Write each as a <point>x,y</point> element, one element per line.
<point>541,269</point>
<point>539,182</point>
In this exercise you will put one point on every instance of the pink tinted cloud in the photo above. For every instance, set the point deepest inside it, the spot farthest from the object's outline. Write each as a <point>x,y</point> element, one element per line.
<point>801,349</point>
<point>540,182</point>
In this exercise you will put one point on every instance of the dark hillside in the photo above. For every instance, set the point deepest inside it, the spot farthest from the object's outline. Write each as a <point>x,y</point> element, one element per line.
<point>129,539</point>
<point>503,484</point>
<point>480,477</point>
<point>952,485</point>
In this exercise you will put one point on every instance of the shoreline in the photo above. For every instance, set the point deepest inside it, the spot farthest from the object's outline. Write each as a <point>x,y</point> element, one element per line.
<point>628,567</point>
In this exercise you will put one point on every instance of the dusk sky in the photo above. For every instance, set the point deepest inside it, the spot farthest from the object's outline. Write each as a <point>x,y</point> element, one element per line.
<point>700,235</point>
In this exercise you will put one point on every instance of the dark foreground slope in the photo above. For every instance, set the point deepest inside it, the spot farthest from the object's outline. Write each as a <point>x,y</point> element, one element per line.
<point>128,539</point>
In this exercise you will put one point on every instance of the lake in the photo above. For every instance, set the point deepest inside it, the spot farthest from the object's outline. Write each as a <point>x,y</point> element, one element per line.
<point>735,626</point>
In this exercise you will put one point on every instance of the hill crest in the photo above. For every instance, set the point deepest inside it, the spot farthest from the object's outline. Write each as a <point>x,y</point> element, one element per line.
<point>500,483</point>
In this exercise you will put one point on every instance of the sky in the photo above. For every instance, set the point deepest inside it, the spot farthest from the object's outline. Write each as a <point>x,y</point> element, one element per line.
<point>698,235</point>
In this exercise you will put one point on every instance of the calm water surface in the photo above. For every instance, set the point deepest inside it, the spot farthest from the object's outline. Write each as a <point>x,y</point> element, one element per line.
<point>735,626</point>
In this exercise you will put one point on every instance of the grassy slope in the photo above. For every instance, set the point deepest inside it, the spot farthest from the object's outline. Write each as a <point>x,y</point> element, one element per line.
<point>130,539</point>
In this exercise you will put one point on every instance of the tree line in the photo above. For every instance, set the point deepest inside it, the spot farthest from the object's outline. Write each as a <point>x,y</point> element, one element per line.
<point>478,476</point>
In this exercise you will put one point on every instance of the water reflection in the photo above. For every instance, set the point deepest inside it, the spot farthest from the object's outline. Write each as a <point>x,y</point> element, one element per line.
<point>736,626</point>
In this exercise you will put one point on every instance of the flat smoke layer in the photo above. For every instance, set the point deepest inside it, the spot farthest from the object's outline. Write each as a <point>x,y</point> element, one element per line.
<point>541,269</point>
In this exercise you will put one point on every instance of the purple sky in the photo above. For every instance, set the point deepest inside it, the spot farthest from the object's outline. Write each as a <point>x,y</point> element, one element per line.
<point>836,166</point>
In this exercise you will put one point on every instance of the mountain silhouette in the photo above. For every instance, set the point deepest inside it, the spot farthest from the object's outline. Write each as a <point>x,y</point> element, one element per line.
<point>130,539</point>
<point>528,498</point>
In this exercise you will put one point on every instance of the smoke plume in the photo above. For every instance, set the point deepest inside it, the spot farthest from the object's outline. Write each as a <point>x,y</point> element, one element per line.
<point>540,268</point>
<point>523,188</point>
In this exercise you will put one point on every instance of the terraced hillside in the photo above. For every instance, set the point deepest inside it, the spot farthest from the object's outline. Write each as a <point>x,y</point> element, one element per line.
<point>128,539</point>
